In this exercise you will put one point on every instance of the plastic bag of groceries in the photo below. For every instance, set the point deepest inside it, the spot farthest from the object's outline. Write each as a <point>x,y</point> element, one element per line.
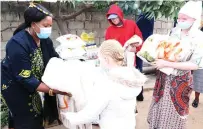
<point>88,38</point>
<point>165,47</point>
<point>91,47</point>
<point>130,56</point>
<point>71,47</point>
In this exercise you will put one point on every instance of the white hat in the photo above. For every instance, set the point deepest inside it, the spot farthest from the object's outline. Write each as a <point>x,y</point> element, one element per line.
<point>192,9</point>
<point>112,16</point>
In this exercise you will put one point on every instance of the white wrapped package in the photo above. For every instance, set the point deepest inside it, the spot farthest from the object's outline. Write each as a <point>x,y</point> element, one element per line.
<point>134,39</point>
<point>130,56</point>
<point>66,76</point>
<point>71,76</point>
<point>68,54</point>
<point>150,45</point>
<point>70,41</point>
<point>71,47</point>
<point>169,48</point>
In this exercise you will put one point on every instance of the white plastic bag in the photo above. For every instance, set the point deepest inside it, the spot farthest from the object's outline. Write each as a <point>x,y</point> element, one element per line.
<point>71,47</point>
<point>70,41</point>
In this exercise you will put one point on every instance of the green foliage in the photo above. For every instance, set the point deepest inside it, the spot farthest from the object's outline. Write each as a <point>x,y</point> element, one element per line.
<point>4,112</point>
<point>129,7</point>
<point>101,5</point>
<point>158,9</point>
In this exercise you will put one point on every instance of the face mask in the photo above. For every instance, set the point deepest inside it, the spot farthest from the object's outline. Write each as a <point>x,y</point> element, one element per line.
<point>184,25</point>
<point>44,32</point>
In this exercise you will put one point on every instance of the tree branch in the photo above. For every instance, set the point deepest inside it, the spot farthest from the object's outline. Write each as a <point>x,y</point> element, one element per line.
<point>74,14</point>
<point>58,8</point>
<point>11,27</point>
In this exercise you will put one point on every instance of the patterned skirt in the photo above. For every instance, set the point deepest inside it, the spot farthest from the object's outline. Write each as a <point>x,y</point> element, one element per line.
<point>163,115</point>
<point>198,81</point>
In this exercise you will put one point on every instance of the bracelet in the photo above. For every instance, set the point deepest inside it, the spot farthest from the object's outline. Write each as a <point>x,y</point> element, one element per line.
<point>51,92</point>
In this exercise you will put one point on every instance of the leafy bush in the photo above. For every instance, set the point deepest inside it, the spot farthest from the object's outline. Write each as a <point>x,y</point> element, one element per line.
<point>4,112</point>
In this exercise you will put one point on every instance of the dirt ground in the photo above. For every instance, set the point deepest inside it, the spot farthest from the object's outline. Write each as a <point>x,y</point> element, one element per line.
<point>195,119</point>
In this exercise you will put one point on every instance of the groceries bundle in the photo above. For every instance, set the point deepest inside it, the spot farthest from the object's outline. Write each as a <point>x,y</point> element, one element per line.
<point>73,47</point>
<point>165,47</point>
<point>130,56</point>
<point>91,47</point>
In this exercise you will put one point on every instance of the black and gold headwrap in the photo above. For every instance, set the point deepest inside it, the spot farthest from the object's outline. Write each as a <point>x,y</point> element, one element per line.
<point>40,8</point>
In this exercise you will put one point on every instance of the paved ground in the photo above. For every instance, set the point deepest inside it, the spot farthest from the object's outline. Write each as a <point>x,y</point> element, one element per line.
<point>195,120</point>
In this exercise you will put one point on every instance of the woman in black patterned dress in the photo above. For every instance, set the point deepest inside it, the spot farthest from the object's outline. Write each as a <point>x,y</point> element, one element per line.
<point>27,54</point>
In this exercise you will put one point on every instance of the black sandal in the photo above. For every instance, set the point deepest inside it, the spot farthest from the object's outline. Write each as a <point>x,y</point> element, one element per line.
<point>195,103</point>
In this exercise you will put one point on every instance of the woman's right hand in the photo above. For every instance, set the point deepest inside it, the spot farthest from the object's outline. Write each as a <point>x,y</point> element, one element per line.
<point>62,93</point>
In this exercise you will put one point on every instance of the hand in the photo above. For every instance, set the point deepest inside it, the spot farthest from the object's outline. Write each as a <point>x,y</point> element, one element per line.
<point>131,49</point>
<point>136,44</point>
<point>160,63</point>
<point>62,93</point>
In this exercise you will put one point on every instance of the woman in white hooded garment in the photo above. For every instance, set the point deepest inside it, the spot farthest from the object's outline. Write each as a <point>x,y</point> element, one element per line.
<point>115,92</point>
<point>170,103</point>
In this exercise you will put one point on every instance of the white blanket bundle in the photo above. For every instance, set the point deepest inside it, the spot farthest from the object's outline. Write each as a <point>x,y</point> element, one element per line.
<point>71,76</point>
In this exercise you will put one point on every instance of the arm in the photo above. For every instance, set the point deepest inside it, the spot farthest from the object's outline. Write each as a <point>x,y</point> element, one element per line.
<point>91,111</point>
<point>193,64</point>
<point>182,65</point>
<point>176,65</point>
<point>21,68</point>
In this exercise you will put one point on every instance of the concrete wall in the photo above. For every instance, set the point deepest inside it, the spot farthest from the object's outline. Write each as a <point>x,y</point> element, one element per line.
<point>89,22</point>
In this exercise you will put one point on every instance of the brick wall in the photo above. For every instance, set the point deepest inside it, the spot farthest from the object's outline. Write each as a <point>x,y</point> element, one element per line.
<point>89,22</point>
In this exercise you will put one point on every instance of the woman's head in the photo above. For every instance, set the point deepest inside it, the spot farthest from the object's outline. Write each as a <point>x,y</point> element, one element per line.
<point>111,54</point>
<point>185,21</point>
<point>39,19</point>
<point>190,15</point>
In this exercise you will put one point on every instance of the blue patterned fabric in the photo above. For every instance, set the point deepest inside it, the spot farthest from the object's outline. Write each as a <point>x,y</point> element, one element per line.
<point>22,69</point>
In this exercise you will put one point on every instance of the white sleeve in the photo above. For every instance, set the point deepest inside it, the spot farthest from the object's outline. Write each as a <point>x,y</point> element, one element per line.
<point>91,111</point>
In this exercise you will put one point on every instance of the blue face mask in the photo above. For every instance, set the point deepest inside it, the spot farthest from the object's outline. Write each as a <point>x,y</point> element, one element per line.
<point>184,25</point>
<point>44,32</point>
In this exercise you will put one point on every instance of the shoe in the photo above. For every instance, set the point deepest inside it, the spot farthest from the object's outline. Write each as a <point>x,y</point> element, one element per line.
<point>195,103</point>
<point>140,98</point>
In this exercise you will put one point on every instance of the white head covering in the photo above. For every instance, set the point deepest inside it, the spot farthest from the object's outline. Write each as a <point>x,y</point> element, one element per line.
<point>193,9</point>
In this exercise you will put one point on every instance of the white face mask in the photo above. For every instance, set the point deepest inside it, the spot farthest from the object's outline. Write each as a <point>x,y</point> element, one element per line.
<point>45,32</point>
<point>184,25</point>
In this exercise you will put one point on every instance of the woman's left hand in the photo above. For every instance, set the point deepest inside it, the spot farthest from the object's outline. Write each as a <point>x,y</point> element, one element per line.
<point>62,93</point>
<point>160,63</point>
<point>136,44</point>
<point>131,49</point>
